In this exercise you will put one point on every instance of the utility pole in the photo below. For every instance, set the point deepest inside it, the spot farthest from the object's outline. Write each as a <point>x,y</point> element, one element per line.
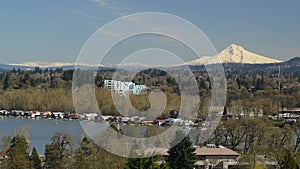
<point>279,88</point>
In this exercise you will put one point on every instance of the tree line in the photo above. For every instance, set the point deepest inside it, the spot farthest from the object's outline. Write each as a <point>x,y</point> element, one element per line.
<point>30,90</point>
<point>64,152</point>
<point>260,136</point>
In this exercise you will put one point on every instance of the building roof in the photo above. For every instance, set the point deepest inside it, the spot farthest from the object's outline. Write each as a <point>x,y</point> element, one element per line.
<point>200,151</point>
<point>223,151</point>
<point>294,109</point>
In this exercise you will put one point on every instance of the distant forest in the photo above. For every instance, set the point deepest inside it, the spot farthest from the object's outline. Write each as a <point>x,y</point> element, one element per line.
<point>50,90</point>
<point>247,92</point>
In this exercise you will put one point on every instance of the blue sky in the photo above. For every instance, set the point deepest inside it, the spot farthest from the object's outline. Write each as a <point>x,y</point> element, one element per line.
<point>56,30</point>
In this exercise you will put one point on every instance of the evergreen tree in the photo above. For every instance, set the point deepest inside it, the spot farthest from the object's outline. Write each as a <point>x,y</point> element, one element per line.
<point>35,159</point>
<point>53,82</point>
<point>225,111</point>
<point>83,154</point>
<point>182,155</point>
<point>6,82</point>
<point>17,153</point>
<point>52,159</point>
<point>99,80</point>
<point>145,163</point>
<point>19,142</point>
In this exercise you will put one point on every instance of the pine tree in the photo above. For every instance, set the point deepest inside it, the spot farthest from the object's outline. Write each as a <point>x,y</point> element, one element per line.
<point>225,111</point>
<point>35,159</point>
<point>17,153</point>
<point>6,82</point>
<point>83,154</point>
<point>182,155</point>
<point>19,142</point>
<point>145,163</point>
<point>52,159</point>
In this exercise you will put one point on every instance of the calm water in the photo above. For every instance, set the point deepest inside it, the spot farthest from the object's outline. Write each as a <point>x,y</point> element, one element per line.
<point>40,130</point>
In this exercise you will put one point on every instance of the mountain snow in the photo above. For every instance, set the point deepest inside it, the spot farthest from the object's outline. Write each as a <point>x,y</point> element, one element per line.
<point>51,64</point>
<point>234,54</point>
<point>231,54</point>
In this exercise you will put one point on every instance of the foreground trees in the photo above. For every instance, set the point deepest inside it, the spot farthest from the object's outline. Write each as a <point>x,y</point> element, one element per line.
<point>35,159</point>
<point>18,153</point>
<point>61,154</point>
<point>59,151</point>
<point>289,161</point>
<point>249,137</point>
<point>83,153</point>
<point>183,154</point>
<point>145,163</point>
<point>255,91</point>
<point>258,136</point>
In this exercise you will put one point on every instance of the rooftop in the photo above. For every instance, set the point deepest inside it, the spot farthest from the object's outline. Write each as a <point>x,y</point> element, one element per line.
<point>200,151</point>
<point>204,151</point>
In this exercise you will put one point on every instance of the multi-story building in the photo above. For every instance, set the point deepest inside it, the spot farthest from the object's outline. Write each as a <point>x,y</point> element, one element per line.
<point>125,88</point>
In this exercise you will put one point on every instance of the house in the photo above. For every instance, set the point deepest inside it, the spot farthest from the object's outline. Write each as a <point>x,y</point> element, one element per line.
<point>208,157</point>
<point>291,115</point>
<point>136,119</point>
<point>90,116</point>
<point>125,119</point>
<point>295,110</point>
<point>213,156</point>
<point>75,116</point>
<point>4,112</point>
<point>147,122</point>
<point>160,121</point>
<point>217,157</point>
<point>105,118</point>
<point>35,114</point>
<point>58,114</point>
<point>46,114</point>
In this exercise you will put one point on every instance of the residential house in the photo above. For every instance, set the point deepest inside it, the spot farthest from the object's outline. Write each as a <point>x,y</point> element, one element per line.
<point>208,157</point>
<point>90,116</point>
<point>216,157</point>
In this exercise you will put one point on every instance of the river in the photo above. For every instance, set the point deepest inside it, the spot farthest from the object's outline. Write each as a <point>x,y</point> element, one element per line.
<point>40,130</point>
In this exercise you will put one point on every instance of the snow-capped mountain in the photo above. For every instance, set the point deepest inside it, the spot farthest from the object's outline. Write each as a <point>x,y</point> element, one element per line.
<point>234,54</point>
<point>52,64</point>
<point>231,54</point>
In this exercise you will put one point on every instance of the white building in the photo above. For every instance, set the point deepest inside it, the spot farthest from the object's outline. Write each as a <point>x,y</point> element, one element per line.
<point>124,88</point>
<point>90,116</point>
